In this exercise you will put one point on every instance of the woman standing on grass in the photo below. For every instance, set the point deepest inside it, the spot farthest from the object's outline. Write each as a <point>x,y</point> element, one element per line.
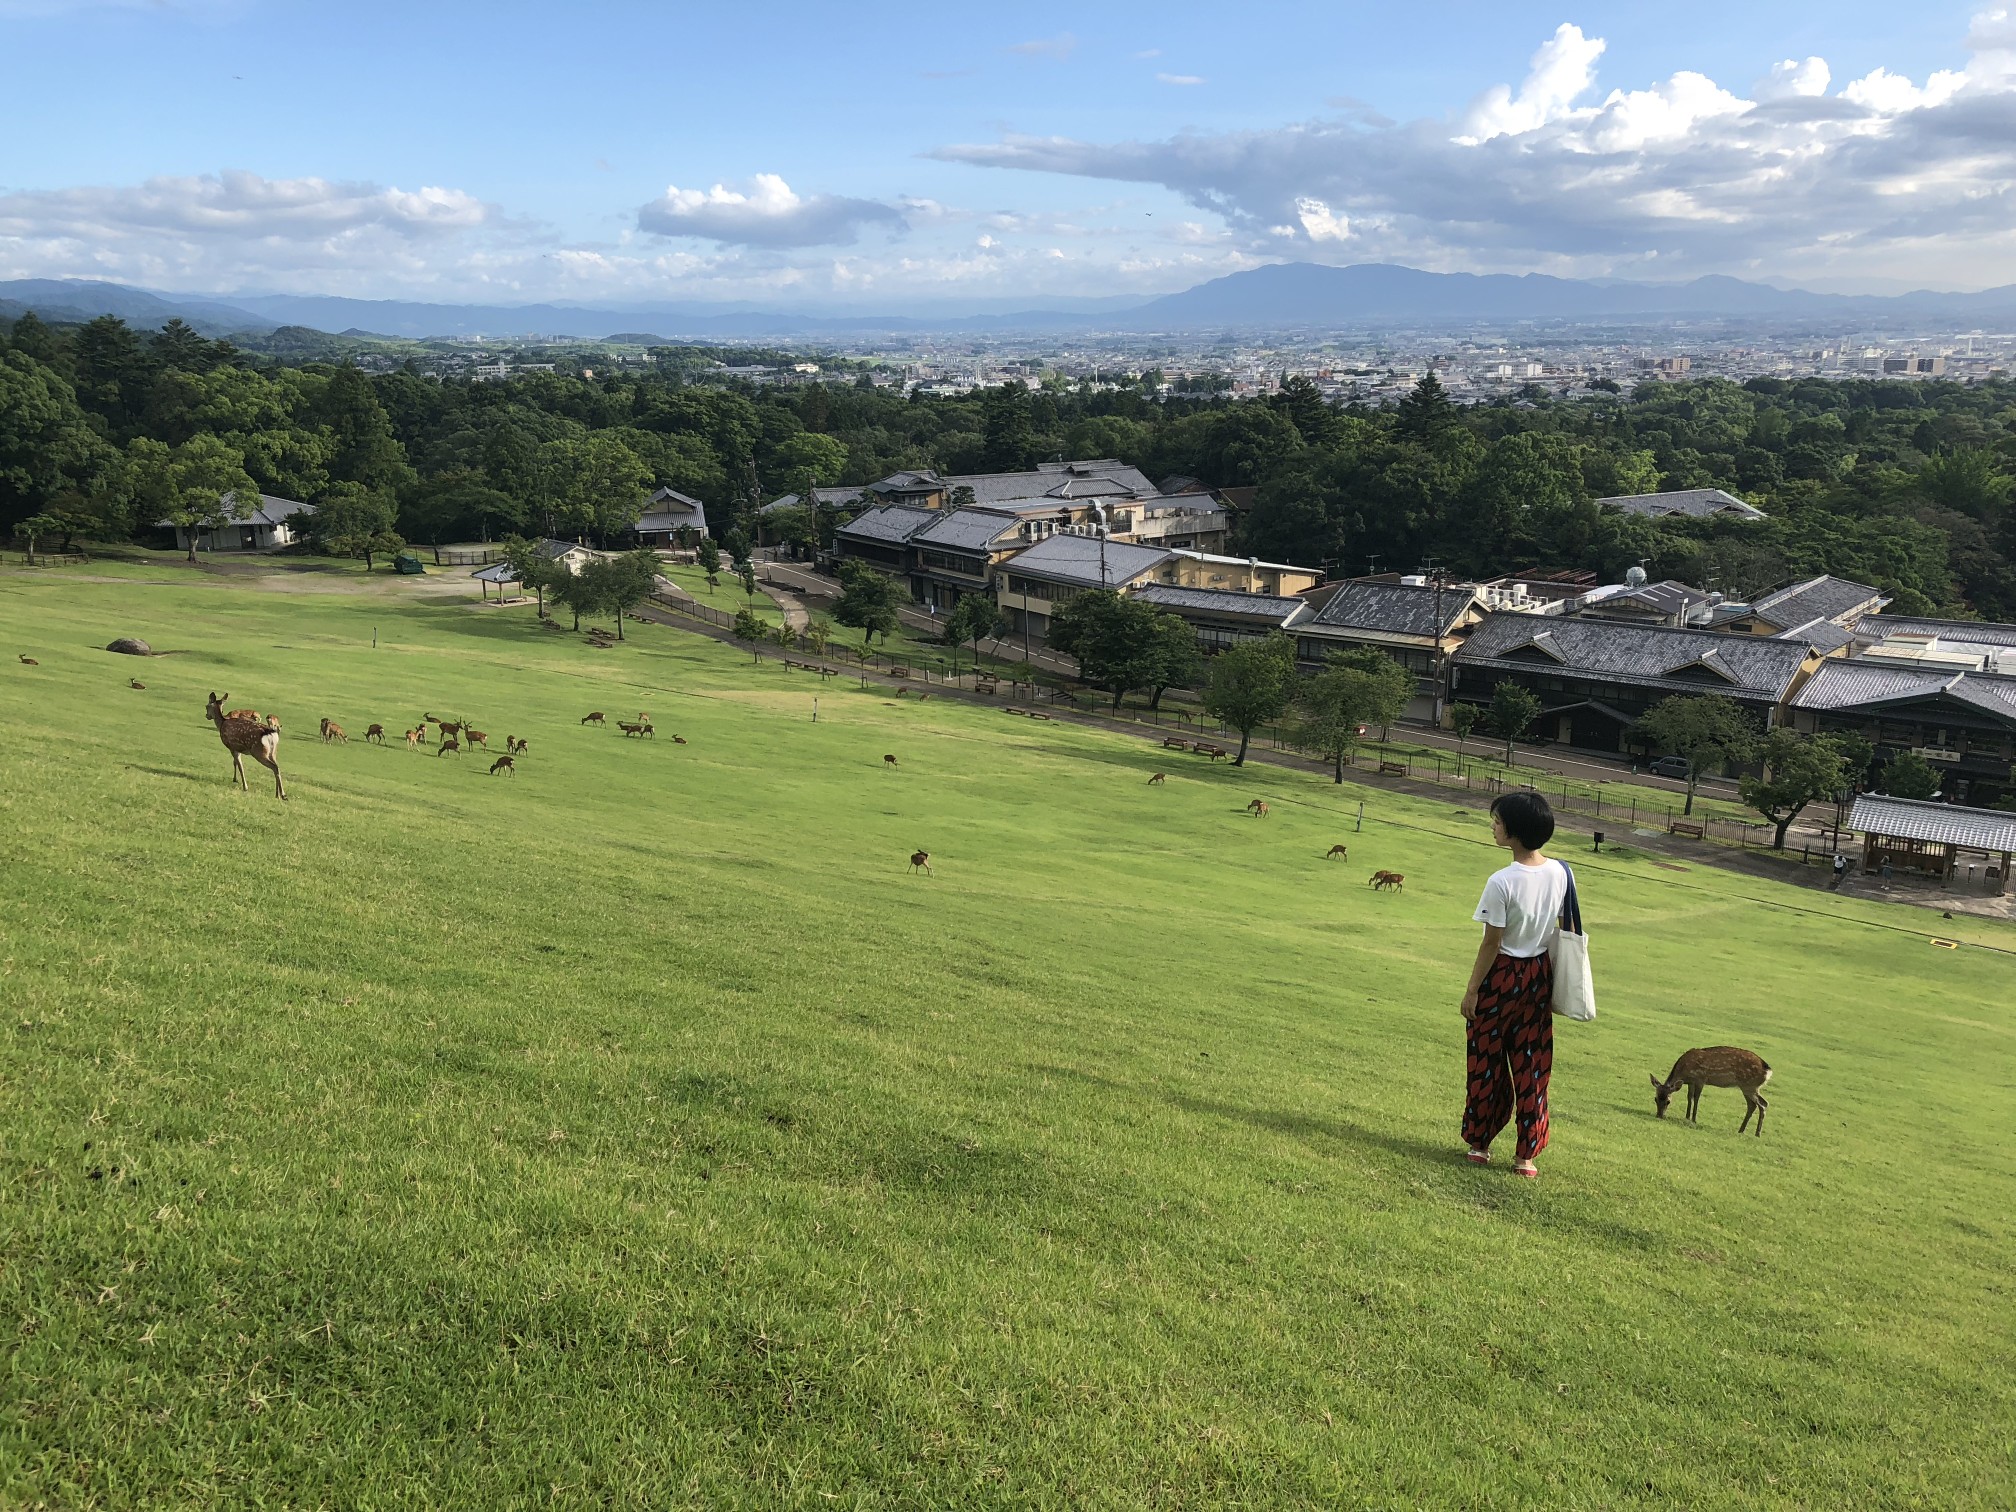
<point>1509,1002</point>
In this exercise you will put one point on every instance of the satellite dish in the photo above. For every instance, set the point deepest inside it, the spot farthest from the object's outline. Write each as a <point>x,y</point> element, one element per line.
<point>1635,578</point>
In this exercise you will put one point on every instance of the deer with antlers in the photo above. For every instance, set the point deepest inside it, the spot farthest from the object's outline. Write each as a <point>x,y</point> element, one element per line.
<point>332,731</point>
<point>375,732</point>
<point>477,738</point>
<point>1716,1066</point>
<point>503,764</point>
<point>247,737</point>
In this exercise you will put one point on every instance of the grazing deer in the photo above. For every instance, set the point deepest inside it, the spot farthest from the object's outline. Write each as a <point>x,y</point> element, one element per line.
<point>252,714</point>
<point>247,737</point>
<point>448,743</point>
<point>1717,1066</point>
<point>503,764</point>
<point>1158,779</point>
<point>920,861</point>
<point>333,731</point>
<point>477,737</point>
<point>29,661</point>
<point>595,719</point>
<point>375,732</point>
<point>136,683</point>
<point>643,728</point>
<point>516,746</point>
<point>414,738</point>
<point>902,692</point>
<point>1381,880</point>
<point>1257,808</point>
<point>1338,853</point>
<point>889,761</point>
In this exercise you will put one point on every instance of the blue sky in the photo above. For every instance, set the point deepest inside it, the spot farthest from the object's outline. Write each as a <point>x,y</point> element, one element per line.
<point>884,155</point>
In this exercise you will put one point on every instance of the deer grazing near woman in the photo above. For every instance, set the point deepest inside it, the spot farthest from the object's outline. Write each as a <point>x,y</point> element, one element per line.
<point>376,732</point>
<point>503,764</point>
<point>247,737</point>
<point>333,731</point>
<point>1716,1066</point>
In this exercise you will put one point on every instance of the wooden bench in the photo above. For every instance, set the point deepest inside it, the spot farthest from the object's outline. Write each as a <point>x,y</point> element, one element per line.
<point>1216,753</point>
<point>1688,828</point>
<point>899,672</point>
<point>1175,743</point>
<point>986,685</point>
<point>1393,769</point>
<point>1037,714</point>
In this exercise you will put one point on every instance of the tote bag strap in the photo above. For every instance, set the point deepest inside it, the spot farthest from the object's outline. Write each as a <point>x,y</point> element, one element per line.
<point>1571,906</point>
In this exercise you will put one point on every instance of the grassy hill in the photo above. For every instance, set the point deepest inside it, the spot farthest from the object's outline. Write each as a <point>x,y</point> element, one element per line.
<point>637,1131</point>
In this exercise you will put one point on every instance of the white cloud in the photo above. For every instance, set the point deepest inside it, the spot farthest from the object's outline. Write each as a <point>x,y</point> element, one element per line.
<point>1148,52</point>
<point>1056,48</point>
<point>240,205</point>
<point>1169,78</point>
<point>1885,176</point>
<point>1560,72</point>
<point>767,214</point>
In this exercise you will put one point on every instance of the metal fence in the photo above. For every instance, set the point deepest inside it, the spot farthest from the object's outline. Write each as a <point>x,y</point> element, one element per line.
<point>466,557</point>
<point>52,559</point>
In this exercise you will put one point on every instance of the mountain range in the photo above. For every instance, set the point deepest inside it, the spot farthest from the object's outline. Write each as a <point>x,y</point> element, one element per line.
<point>1280,296</point>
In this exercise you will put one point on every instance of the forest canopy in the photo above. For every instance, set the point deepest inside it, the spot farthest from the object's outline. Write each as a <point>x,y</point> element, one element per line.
<point>1903,485</point>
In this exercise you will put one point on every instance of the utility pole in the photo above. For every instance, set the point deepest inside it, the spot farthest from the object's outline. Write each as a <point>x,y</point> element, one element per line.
<point>1100,510</point>
<point>1438,576</point>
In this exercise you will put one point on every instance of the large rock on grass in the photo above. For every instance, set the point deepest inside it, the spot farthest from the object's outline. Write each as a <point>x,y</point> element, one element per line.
<point>131,645</point>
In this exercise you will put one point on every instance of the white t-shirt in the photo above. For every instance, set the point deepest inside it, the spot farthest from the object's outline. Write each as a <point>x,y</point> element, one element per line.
<point>1525,902</point>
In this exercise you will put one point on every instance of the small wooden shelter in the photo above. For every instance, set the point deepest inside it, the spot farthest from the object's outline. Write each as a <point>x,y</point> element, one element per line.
<point>1908,834</point>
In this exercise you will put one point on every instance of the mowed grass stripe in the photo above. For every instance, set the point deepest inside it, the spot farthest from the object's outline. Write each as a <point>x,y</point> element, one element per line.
<point>638,1126</point>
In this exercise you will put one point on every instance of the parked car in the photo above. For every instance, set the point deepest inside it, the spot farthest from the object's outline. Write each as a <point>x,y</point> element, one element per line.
<point>1670,766</point>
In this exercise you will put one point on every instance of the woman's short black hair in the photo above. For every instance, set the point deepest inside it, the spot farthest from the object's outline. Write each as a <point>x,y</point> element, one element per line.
<point>1526,817</point>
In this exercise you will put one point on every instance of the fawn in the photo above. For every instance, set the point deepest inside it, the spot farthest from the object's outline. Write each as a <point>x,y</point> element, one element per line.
<point>247,737</point>
<point>448,743</point>
<point>503,764</point>
<point>333,731</point>
<point>1716,1066</point>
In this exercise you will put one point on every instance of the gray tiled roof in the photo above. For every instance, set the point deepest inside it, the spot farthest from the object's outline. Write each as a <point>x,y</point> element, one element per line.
<point>1661,598</point>
<point>1695,503</point>
<point>1860,684</point>
<point>1821,634</point>
<point>1263,606</point>
<point>1965,632</point>
<point>1104,478</point>
<point>891,523</point>
<point>271,510</point>
<point>1075,559</point>
<point>1394,608</point>
<point>1643,655</point>
<point>836,497</point>
<point>672,499</point>
<point>1816,598</point>
<point>1939,823</point>
<point>968,529</point>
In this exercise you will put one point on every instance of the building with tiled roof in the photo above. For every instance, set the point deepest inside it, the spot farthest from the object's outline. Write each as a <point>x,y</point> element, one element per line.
<point>1222,617</point>
<point>1596,678</point>
<point>670,518</point>
<point>266,525</point>
<point>1683,503</point>
<point>1838,599</point>
<point>1964,722</point>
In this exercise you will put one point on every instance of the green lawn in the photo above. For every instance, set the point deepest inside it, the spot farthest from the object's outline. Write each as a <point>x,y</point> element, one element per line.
<point>636,1131</point>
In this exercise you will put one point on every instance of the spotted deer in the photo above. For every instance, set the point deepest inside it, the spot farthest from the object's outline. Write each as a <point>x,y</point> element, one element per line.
<point>1716,1066</point>
<point>414,739</point>
<point>248,737</point>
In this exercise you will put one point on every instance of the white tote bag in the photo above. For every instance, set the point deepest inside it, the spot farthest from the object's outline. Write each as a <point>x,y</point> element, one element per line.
<point>1574,989</point>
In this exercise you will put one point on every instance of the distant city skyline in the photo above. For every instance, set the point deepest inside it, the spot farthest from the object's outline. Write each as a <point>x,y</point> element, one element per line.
<point>802,156</point>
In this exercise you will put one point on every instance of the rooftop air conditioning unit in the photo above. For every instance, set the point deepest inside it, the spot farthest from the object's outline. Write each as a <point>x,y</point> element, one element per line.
<point>1414,580</point>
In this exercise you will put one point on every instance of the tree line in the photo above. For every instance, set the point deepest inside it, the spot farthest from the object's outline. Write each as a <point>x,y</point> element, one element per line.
<point>106,430</point>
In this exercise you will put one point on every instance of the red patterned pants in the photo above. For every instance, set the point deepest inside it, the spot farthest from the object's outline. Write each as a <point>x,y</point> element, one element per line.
<point>1511,1042</point>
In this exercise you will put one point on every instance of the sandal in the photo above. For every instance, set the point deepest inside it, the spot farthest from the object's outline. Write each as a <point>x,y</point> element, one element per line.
<point>1527,1169</point>
<point>1480,1157</point>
